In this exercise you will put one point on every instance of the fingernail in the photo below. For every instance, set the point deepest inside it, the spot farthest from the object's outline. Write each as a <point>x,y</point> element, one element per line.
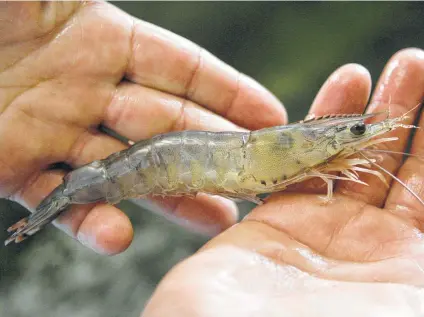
<point>90,242</point>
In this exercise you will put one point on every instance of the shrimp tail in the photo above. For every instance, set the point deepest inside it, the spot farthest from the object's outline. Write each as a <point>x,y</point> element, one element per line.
<point>48,210</point>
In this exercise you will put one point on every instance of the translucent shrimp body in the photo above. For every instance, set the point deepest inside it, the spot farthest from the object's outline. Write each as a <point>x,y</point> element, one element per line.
<point>231,164</point>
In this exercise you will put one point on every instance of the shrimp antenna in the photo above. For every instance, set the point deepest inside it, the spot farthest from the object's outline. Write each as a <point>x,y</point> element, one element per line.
<point>388,110</point>
<point>395,178</point>
<point>393,152</point>
<point>410,110</point>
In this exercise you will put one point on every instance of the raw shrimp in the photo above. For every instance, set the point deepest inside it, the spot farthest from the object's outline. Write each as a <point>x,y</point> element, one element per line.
<point>230,164</point>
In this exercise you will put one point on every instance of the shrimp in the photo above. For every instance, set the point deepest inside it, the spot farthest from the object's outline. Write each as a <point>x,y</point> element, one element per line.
<point>231,164</point>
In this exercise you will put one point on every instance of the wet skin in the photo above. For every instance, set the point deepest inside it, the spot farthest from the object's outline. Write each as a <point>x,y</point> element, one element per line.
<point>360,255</point>
<point>107,68</point>
<point>288,257</point>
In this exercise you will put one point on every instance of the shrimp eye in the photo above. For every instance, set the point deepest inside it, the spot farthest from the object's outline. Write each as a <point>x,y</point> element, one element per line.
<point>358,129</point>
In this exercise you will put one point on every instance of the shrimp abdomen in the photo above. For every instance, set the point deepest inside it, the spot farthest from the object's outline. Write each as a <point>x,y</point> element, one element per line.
<point>187,162</point>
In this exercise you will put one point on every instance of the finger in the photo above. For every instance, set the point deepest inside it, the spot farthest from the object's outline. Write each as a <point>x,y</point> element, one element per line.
<point>139,113</point>
<point>46,135</point>
<point>165,61</point>
<point>400,201</point>
<point>104,229</point>
<point>204,214</point>
<point>345,91</point>
<point>401,85</point>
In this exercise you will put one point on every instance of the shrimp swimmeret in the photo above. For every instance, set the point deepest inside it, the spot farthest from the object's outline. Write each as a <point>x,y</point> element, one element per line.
<point>231,164</point>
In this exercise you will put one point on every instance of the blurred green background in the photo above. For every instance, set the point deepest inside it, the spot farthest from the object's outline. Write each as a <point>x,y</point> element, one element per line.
<point>289,47</point>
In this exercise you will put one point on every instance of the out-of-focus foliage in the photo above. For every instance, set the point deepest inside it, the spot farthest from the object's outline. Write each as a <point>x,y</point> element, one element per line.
<point>290,48</point>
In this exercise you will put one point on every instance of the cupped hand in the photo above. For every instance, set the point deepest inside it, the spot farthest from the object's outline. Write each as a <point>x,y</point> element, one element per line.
<point>360,255</point>
<point>67,68</point>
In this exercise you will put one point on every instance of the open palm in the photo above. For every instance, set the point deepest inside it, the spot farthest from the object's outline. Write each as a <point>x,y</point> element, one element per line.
<point>360,255</point>
<point>67,68</point>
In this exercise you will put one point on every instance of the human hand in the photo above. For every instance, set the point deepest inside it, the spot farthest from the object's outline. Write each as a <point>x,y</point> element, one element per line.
<point>68,67</point>
<point>360,255</point>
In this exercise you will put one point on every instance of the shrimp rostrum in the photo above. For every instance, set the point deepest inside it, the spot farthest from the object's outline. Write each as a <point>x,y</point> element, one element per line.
<point>230,164</point>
